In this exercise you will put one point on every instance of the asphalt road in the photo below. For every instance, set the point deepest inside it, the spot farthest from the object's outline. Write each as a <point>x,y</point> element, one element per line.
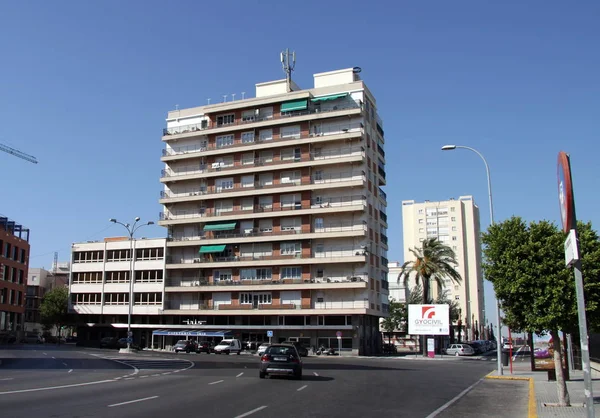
<point>46,381</point>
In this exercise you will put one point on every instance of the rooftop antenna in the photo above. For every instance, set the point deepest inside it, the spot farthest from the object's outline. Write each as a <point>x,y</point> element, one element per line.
<point>208,100</point>
<point>176,107</point>
<point>243,94</point>
<point>233,97</point>
<point>288,66</point>
<point>224,98</point>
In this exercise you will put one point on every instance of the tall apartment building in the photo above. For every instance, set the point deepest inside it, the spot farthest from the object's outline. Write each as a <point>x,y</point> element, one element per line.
<point>40,281</point>
<point>456,224</point>
<point>14,261</point>
<point>275,214</point>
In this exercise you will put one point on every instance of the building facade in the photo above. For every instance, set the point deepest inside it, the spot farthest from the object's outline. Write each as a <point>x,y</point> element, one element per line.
<point>14,261</point>
<point>40,281</point>
<point>456,224</point>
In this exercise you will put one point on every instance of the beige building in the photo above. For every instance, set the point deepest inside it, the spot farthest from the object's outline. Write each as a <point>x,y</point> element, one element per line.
<point>456,224</point>
<point>275,214</point>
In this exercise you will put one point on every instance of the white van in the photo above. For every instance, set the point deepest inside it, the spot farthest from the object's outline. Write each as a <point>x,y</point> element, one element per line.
<point>228,346</point>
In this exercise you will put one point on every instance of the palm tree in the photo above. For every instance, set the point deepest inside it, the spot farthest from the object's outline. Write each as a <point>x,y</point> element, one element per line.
<point>434,261</point>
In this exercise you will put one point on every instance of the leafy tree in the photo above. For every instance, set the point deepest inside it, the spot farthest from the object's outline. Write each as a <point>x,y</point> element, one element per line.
<point>434,261</point>
<point>394,319</point>
<point>54,308</point>
<point>525,263</point>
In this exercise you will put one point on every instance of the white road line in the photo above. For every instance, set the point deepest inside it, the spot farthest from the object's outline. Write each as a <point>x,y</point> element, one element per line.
<point>143,377</point>
<point>214,383</point>
<point>129,378</point>
<point>302,388</point>
<point>45,354</point>
<point>260,408</point>
<point>240,374</point>
<point>65,364</point>
<point>157,374</point>
<point>166,373</point>
<point>316,374</point>
<point>451,401</point>
<point>54,358</point>
<point>56,387</point>
<point>70,370</point>
<point>7,378</point>
<point>134,401</point>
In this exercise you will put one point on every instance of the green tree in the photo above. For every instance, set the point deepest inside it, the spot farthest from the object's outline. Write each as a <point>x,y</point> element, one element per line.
<point>525,263</point>
<point>433,262</point>
<point>393,321</point>
<point>54,309</point>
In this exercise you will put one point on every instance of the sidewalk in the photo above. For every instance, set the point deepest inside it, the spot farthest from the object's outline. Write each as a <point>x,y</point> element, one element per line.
<point>546,394</point>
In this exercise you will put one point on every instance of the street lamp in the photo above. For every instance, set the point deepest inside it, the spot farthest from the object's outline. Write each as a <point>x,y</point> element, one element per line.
<point>489,182</point>
<point>130,231</point>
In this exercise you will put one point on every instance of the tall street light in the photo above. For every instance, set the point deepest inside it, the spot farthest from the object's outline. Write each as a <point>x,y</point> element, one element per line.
<point>130,231</point>
<point>489,182</point>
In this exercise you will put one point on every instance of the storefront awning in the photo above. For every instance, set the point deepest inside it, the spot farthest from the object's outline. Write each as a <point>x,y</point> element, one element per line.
<point>220,227</point>
<point>295,105</point>
<point>330,97</point>
<point>206,249</point>
<point>192,333</point>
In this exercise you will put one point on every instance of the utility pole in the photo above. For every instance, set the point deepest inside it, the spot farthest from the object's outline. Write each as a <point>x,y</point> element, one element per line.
<point>288,66</point>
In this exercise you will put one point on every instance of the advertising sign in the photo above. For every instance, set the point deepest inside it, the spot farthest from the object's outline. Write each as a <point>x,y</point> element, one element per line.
<point>429,319</point>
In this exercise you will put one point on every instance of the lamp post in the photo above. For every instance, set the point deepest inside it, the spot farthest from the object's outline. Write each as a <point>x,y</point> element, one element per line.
<point>489,182</point>
<point>130,231</point>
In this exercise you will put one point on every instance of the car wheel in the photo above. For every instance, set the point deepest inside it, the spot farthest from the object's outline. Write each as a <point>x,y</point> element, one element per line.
<point>238,353</point>
<point>262,375</point>
<point>456,354</point>
<point>227,352</point>
<point>298,376</point>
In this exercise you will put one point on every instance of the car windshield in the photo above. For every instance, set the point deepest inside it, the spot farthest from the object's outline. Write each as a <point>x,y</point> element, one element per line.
<point>280,350</point>
<point>181,342</point>
<point>264,345</point>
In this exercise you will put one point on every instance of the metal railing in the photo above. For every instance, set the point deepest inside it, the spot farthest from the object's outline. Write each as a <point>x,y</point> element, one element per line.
<point>205,281</point>
<point>236,187</point>
<point>256,232</point>
<point>342,304</point>
<point>261,162</point>
<point>334,202</point>
<point>383,215</point>
<point>384,238</point>
<point>334,130</point>
<point>380,150</point>
<point>207,125</point>
<point>383,194</point>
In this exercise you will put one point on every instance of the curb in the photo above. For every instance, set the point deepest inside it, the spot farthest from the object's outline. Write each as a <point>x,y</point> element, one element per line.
<point>532,403</point>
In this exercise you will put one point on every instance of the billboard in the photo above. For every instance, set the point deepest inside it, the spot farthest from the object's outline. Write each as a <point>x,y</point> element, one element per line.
<point>429,319</point>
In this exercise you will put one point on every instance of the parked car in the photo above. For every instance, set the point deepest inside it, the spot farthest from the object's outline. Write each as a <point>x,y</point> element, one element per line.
<point>460,350</point>
<point>262,348</point>
<point>477,346</point>
<point>303,351</point>
<point>122,343</point>
<point>507,346</point>
<point>541,353</point>
<point>108,342</point>
<point>205,347</point>
<point>281,359</point>
<point>228,346</point>
<point>184,346</point>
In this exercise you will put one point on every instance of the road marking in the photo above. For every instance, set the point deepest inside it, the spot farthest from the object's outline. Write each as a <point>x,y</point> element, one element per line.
<point>143,377</point>
<point>166,373</point>
<point>260,408</point>
<point>65,364</point>
<point>451,401</point>
<point>7,378</point>
<point>316,374</point>
<point>134,401</point>
<point>157,374</point>
<point>129,378</point>
<point>214,383</point>
<point>45,354</point>
<point>240,374</point>
<point>56,387</point>
<point>302,388</point>
<point>54,358</point>
<point>70,370</point>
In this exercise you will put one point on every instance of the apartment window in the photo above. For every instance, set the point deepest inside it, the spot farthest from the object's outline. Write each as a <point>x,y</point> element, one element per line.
<point>443,238</point>
<point>259,298</point>
<point>247,204</point>
<point>15,255</point>
<point>265,135</point>
<point>265,202</point>
<point>265,113</point>
<point>290,177</point>
<point>149,276</point>
<point>223,206</point>
<point>291,224</point>
<point>225,120</point>
<point>247,137</point>
<point>452,209</point>
<point>290,132</point>
<point>22,256</point>
<point>454,228</point>
<point>223,162</point>
<point>154,298</point>
<point>291,272</point>
<point>88,256</point>
<point>421,229</point>
<point>116,298</point>
<point>248,115</point>
<point>454,247</point>
<point>453,219</point>
<point>86,298</point>
<point>319,223</point>
<point>455,287</point>
<point>290,248</point>
<point>117,255</point>
<point>265,179</point>
<point>454,238</point>
<point>420,211</point>
<point>149,254</point>
<point>224,141</point>
<point>256,274</point>
<point>265,225</point>
<point>320,273</point>
<point>222,275</point>
<point>248,181</point>
<point>117,277</point>
<point>88,277</point>
<point>318,175</point>
<point>248,158</point>
<point>290,200</point>
<point>420,221</point>
<point>266,157</point>
<point>224,184</point>
<point>457,297</point>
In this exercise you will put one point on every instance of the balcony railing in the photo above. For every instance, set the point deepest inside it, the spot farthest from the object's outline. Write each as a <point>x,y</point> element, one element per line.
<point>261,162</point>
<point>382,194</point>
<point>333,252</point>
<point>384,238</point>
<point>205,281</point>
<point>320,179</point>
<point>384,261</point>
<point>255,232</point>
<point>187,305</point>
<point>383,216</point>
<point>380,150</point>
<point>334,202</point>
<point>342,304</point>
<point>204,126</point>
<point>327,131</point>
<point>381,172</point>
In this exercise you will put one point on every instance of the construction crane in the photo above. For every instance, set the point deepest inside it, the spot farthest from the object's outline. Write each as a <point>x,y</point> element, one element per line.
<point>18,153</point>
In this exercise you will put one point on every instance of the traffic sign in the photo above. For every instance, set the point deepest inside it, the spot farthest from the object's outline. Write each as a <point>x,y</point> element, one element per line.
<point>269,334</point>
<point>565,192</point>
<point>338,334</point>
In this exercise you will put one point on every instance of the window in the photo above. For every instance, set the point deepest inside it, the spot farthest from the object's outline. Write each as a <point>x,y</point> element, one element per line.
<point>248,181</point>
<point>420,211</point>
<point>456,287</point>
<point>290,132</point>
<point>224,184</point>
<point>290,200</point>
<point>320,273</point>
<point>265,202</point>
<point>148,298</point>
<point>265,135</point>
<point>291,224</point>
<point>88,256</point>
<point>457,297</point>
<point>290,248</point>
<point>248,158</point>
<point>420,221</point>
<point>117,255</point>
<point>265,225</point>
<point>225,119</point>
<point>87,277</point>
<point>290,177</point>
<point>116,298</point>
<point>291,273</point>
<point>452,209</point>
<point>454,228</point>
<point>86,298</point>
<point>454,247</point>
<point>248,115</point>
<point>149,276</point>
<point>266,157</point>
<point>222,162</point>
<point>117,276</point>
<point>454,238</point>
<point>318,175</point>
<point>149,254</point>
<point>247,204</point>
<point>319,223</point>
<point>247,137</point>
<point>222,275</point>
<point>259,298</point>
<point>265,179</point>
<point>421,229</point>
<point>453,219</point>
<point>224,141</point>
<point>256,274</point>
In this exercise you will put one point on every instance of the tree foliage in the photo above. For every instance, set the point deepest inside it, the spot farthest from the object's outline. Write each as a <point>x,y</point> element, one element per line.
<point>395,319</point>
<point>54,309</point>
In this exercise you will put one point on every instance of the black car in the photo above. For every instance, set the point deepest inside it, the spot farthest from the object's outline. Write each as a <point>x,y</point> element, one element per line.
<point>390,349</point>
<point>281,359</point>
<point>185,345</point>
<point>122,343</point>
<point>303,351</point>
<point>109,342</point>
<point>205,347</point>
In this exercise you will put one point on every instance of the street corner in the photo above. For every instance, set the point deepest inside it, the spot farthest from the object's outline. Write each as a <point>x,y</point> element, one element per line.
<point>532,400</point>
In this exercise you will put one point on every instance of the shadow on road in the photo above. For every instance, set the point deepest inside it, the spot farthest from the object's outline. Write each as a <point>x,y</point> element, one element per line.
<point>27,363</point>
<point>305,378</point>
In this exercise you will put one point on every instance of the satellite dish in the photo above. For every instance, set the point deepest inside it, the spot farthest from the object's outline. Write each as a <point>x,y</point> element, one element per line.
<point>356,70</point>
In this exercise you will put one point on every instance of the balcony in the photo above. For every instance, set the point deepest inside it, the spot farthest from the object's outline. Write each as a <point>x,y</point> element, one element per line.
<point>206,126</point>
<point>190,305</point>
<point>201,283</point>
<point>342,304</point>
<point>382,194</point>
<point>320,181</point>
<point>299,208</point>
<point>383,216</point>
<point>257,142</point>
<point>384,261</point>
<point>384,239</point>
<point>306,233</point>
<point>198,170</point>
<point>380,150</point>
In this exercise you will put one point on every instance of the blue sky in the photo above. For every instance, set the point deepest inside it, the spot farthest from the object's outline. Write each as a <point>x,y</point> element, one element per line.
<point>85,87</point>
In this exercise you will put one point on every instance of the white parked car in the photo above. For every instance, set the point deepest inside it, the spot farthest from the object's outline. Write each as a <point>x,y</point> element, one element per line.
<point>507,346</point>
<point>228,347</point>
<point>262,348</point>
<point>460,350</point>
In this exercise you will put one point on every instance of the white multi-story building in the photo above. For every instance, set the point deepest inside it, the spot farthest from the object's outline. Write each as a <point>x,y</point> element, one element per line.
<point>275,213</point>
<point>456,224</point>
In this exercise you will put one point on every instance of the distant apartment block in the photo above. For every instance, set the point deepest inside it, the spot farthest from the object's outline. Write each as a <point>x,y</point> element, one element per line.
<point>456,224</point>
<point>14,260</point>
<point>40,281</point>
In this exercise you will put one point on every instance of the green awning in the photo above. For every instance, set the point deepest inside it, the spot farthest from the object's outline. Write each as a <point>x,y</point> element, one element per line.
<point>326,98</point>
<point>220,227</point>
<point>205,249</point>
<point>295,105</point>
